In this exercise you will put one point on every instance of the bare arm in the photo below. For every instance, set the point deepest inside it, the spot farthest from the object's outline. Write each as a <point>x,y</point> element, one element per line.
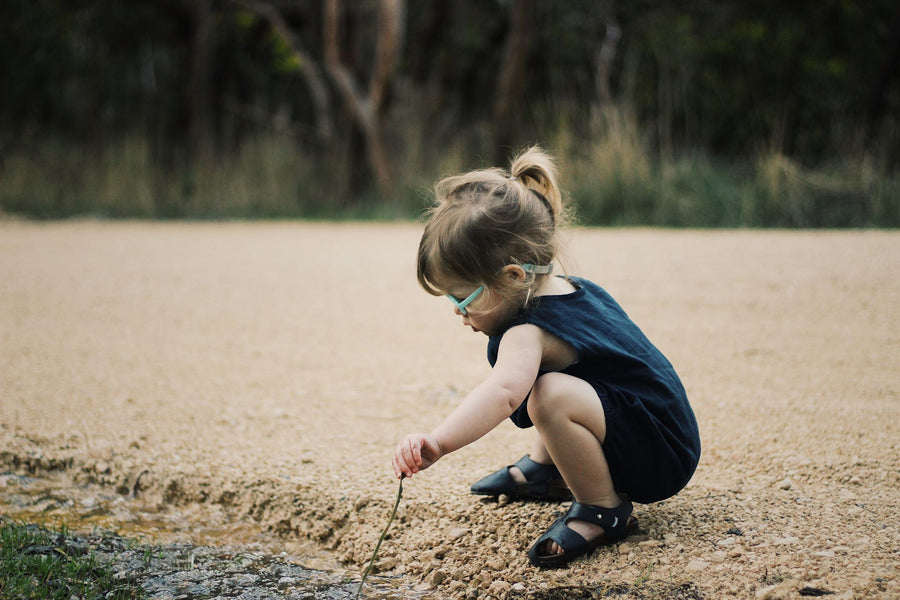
<point>518,361</point>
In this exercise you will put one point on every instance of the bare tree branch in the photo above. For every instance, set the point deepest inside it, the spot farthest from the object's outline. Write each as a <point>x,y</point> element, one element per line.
<point>315,83</point>
<point>510,92</point>
<point>367,106</point>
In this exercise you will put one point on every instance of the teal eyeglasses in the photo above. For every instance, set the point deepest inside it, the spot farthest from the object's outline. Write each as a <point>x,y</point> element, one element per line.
<point>462,304</point>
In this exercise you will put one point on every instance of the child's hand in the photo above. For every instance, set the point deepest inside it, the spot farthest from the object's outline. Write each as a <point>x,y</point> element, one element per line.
<point>414,453</point>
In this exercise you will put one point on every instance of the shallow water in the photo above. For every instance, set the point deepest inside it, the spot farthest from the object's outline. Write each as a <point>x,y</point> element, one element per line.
<point>186,552</point>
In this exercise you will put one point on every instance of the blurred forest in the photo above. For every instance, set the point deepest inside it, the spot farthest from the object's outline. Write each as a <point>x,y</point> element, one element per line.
<point>661,112</point>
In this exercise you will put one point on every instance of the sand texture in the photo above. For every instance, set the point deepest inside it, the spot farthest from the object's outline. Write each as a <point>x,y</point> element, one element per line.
<point>266,370</point>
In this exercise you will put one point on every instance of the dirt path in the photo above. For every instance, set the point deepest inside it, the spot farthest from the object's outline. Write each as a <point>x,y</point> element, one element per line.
<point>268,369</point>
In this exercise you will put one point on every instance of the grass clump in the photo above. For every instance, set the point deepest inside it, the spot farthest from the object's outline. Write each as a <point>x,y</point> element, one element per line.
<point>39,563</point>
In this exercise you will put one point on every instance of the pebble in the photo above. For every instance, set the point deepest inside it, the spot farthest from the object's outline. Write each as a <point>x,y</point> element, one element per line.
<point>726,542</point>
<point>697,565</point>
<point>499,588</point>
<point>786,541</point>
<point>437,577</point>
<point>456,533</point>
<point>770,592</point>
<point>786,484</point>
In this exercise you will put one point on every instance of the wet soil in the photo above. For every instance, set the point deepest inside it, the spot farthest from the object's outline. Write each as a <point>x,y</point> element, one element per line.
<point>182,553</point>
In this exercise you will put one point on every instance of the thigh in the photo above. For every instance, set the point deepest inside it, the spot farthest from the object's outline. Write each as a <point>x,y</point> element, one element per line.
<point>557,395</point>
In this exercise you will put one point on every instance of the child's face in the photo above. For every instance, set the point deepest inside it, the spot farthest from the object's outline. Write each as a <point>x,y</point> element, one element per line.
<point>487,313</point>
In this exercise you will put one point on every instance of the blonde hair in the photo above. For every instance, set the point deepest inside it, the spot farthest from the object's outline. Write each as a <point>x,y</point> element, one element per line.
<point>483,220</point>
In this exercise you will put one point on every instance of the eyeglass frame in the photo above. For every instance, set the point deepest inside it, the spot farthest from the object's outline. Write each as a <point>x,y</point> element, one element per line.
<point>462,304</point>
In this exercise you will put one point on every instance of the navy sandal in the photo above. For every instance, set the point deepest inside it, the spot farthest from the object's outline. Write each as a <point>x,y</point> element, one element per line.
<point>542,482</point>
<point>617,524</point>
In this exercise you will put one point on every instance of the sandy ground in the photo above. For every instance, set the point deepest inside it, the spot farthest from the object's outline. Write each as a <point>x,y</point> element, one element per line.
<point>267,370</point>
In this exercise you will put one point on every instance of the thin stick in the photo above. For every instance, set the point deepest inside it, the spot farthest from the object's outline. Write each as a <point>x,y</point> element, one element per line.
<point>381,539</point>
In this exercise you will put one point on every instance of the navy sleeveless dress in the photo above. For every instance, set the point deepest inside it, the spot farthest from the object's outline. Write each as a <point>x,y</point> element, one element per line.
<point>652,441</point>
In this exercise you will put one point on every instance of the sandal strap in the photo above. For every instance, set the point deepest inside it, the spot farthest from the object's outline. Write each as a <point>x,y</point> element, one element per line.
<point>612,520</point>
<point>567,539</point>
<point>535,472</point>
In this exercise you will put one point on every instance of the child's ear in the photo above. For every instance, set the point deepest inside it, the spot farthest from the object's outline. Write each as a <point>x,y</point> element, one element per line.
<point>514,272</point>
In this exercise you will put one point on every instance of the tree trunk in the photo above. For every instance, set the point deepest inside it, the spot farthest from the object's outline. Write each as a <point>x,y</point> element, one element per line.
<point>199,95</point>
<point>367,107</point>
<point>315,83</point>
<point>603,59</point>
<point>511,82</point>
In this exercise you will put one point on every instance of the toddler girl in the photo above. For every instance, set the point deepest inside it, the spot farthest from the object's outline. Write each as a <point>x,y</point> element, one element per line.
<point>613,420</point>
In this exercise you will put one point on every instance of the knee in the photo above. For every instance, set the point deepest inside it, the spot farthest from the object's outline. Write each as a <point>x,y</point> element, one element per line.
<point>544,394</point>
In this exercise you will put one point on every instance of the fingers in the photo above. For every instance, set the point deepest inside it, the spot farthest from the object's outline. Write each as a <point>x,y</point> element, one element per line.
<point>415,453</point>
<point>407,459</point>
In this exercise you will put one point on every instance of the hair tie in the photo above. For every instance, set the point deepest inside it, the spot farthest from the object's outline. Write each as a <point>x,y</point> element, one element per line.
<point>546,202</point>
<point>513,178</point>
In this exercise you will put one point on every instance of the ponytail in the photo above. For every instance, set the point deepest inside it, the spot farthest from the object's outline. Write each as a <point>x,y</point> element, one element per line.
<point>536,170</point>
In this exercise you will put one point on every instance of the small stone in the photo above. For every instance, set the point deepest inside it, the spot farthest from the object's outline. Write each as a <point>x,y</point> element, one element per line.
<point>670,537</point>
<point>697,565</point>
<point>456,533</point>
<point>626,548</point>
<point>786,484</point>
<point>456,587</point>
<point>718,557</point>
<point>726,542</point>
<point>855,480</point>
<point>437,577</point>
<point>785,541</point>
<point>499,588</point>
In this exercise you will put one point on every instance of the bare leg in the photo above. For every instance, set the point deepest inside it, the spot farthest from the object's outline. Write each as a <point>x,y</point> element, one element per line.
<point>569,417</point>
<point>539,451</point>
<point>538,454</point>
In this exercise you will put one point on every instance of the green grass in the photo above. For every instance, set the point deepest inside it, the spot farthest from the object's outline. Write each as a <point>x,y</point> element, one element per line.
<point>36,562</point>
